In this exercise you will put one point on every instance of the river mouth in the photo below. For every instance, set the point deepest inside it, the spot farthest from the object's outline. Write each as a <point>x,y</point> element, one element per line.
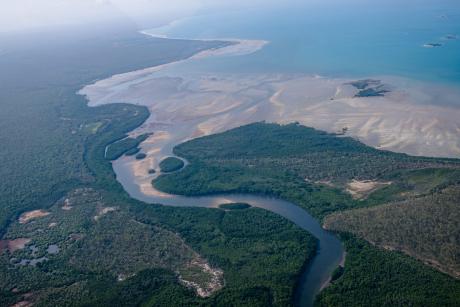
<point>186,103</point>
<point>185,106</point>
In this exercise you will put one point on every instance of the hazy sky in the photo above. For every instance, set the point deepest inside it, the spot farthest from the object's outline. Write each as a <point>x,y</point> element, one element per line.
<point>32,14</point>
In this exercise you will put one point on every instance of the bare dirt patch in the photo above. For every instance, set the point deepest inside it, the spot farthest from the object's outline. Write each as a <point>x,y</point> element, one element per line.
<point>27,216</point>
<point>200,276</point>
<point>23,304</point>
<point>104,211</point>
<point>67,205</point>
<point>17,244</point>
<point>14,245</point>
<point>362,189</point>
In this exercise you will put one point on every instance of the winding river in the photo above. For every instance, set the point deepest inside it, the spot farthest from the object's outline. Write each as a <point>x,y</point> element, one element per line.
<point>314,277</point>
<point>221,89</point>
<point>189,115</point>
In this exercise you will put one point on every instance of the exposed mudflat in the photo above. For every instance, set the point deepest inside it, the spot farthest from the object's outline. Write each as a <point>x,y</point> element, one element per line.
<point>409,118</point>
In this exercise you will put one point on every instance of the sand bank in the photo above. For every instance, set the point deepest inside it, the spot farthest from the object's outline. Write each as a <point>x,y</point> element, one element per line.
<point>412,117</point>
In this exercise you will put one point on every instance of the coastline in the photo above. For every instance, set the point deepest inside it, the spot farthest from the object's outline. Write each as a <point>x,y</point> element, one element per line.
<point>184,106</point>
<point>234,47</point>
<point>237,47</point>
<point>163,141</point>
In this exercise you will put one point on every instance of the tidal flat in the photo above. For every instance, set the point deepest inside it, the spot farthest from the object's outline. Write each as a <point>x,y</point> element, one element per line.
<point>408,116</point>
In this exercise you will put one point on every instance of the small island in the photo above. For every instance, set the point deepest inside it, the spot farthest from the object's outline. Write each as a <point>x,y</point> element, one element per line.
<point>152,171</point>
<point>171,164</point>
<point>369,88</point>
<point>234,206</point>
<point>451,37</point>
<point>128,146</point>
<point>141,156</point>
<point>432,45</point>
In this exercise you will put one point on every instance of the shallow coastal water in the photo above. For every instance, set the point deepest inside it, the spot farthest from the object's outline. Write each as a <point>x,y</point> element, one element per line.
<point>359,38</point>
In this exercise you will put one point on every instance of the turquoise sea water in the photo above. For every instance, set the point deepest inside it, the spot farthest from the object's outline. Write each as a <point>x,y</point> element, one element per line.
<point>337,38</point>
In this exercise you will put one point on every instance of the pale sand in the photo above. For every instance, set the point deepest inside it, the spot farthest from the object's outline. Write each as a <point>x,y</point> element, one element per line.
<point>415,118</point>
<point>27,216</point>
<point>14,245</point>
<point>23,304</point>
<point>239,46</point>
<point>361,189</point>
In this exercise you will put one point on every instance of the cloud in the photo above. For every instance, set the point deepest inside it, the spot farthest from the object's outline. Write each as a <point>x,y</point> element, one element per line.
<point>31,14</point>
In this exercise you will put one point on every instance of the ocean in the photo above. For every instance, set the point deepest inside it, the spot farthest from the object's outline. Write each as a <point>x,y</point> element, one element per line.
<point>417,39</point>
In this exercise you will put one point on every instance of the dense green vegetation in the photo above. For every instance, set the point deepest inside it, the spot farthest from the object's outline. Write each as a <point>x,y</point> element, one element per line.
<point>308,153</point>
<point>259,252</point>
<point>94,241</point>
<point>375,277</point>
<point>407,184</point>
<point>201,179</point>
<point>288,162</point>
<point>235,206</point>
<point>140,156</point>
<point>171,164</point>
<point>153,287</point>
<point>127,145</point>
<point>107,246</point>
<point>113,250</point>
<point>44,124</point>
<point>424,227</point>
<point>275,160</point>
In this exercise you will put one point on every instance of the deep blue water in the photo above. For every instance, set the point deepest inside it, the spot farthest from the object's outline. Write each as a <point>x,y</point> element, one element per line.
<point>337,38</point>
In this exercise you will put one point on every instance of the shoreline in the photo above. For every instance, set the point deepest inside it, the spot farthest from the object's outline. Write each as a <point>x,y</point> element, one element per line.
<point>236,48</point>
<point>184,107</point>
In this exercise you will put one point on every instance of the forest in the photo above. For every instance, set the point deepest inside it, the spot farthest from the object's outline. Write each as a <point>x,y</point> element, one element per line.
<point>424,227</point>
<point>308,167</point>
<point>44,123</point>
<point>115,252</point>
<point>377,277</point>
<point>91,244</point>
<point>128,146</point>
<point>171,164</point>
<point>414,210</point>
<point>85,241</point>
